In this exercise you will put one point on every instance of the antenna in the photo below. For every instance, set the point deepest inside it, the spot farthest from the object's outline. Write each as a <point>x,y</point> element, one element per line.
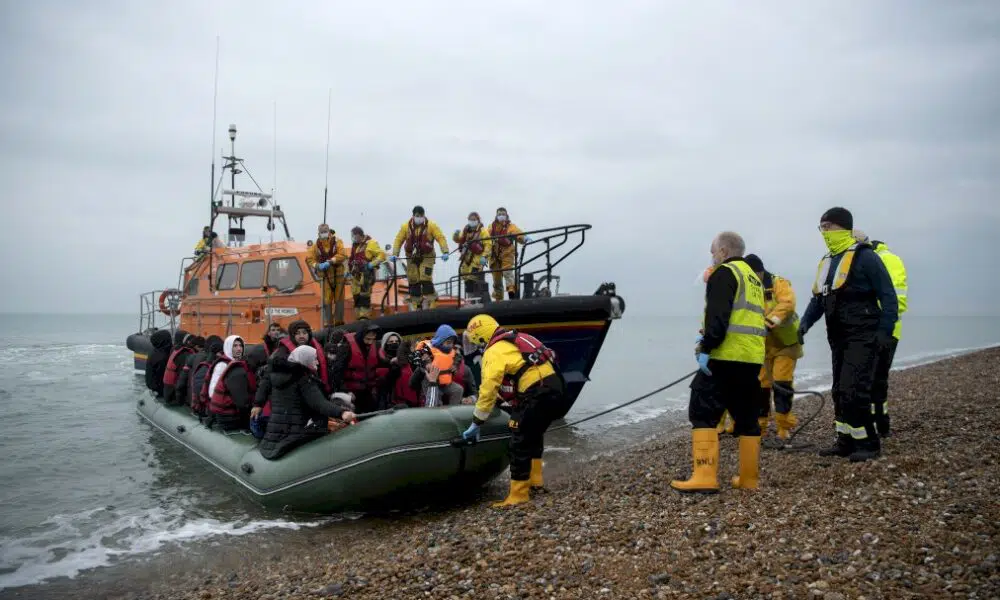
<point>329,100</point>
<point>274,184</point>
<point>211,199</point>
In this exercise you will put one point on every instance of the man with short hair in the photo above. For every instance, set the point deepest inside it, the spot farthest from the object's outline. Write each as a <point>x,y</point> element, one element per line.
<point>854,293</point>
<point>417,237</point>
<point>730,353</point>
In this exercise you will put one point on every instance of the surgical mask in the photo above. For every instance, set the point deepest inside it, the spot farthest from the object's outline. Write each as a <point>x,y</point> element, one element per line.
<point>838,241</point>
<point>473,224</point>
<point>418,220</point>
<point>324,235</point>
<point>501,218</point>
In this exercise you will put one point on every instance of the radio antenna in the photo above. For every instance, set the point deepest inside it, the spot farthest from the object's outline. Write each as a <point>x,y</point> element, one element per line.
<point>326,184</point>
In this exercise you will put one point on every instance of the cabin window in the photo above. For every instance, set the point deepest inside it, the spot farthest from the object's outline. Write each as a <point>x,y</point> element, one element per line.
<point>192,286</point>
<point>284,273</point>
<point>227,276</point>
<point>252,275</point>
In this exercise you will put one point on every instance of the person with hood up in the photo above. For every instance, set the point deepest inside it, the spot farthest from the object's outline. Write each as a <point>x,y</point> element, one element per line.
<point>196,371</point>
<point>182,393</point>
<point>366,256</point>
<point>273,337</point>
<point>300,334</point>
<point>156,362</point>
<point>854,292</point>
<point>475,247</point>
<point>505,237</point>
<point>231,387</point>
<point>389,371</point>
<point>182,350</point>
<point>897,273</point>
<point>299,408</point>
<point>328,257</point>
<point>441,362</point>
<point>417,236</point>
<point>360,372</point>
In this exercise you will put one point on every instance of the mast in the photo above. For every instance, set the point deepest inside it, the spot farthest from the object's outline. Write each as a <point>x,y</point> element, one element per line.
<point>326,184</point>
<point>211,197</point>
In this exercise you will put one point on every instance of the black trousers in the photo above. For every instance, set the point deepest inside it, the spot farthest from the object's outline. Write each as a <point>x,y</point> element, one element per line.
<point>732,386</point>
<point>542,404</point>
<point>854,360</point>
<point>880,387</point>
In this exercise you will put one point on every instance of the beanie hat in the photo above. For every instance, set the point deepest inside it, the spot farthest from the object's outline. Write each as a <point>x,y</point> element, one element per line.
<point>838,216</point>
<point>754,262</point>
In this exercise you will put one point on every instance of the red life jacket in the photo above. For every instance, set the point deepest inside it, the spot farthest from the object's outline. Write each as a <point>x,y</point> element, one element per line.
<point>496,230</point>
<point>419,240</point>
<point>460,373</point>
<point>359,256</point>
<point>198,399</point>
<point>532,351</point>
<point>221,402</point>
<point>204,394</point>
<point>402,392</point>
<point>323,255</point>
<point>170,375</point>
<point>360,373</point>
<point>474,239</point>
<point>320,354</point>
<point>382,370</point>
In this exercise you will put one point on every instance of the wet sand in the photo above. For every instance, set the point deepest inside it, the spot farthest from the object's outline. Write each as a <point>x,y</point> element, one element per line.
<point>923,521</point>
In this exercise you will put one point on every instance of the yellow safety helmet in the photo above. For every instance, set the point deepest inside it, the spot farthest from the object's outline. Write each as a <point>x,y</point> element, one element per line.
<point>480,329</point>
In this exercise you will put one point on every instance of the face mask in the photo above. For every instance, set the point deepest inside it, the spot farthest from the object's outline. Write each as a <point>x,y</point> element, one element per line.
<point>838,241</point>
<point>473,224</point>
<point>501,218</point>
<point>356,240</point>
<point>391,348</point>
<point>418,220</point>
<point>716,259</point>
<point>324,235</point>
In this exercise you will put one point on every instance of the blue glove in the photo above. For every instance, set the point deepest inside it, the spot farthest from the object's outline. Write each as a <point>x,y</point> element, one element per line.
<point>392,258</point>
<point>444,257</point>
<point>348,275</point>
<point>370,266</point>
<point>471,432</point>
<point>527,239</point>
<point>703,363</point>
<point>700,338</point>
<point>323,266</point>
<point>482,260</point>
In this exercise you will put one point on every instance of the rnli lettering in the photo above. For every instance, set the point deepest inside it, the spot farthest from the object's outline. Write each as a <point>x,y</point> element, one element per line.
<point>702,462</point>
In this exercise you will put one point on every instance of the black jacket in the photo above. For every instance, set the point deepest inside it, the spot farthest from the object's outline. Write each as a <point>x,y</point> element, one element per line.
<point>296,397</point>
<point>866,303</point>
<point>156,362</point>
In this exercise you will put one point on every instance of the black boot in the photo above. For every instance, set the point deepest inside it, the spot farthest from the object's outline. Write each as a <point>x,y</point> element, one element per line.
<point>844,446</point>
<point>867,449</point>
<point>882,424</point>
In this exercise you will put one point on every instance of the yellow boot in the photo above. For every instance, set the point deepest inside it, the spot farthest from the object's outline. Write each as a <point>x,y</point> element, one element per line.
<point>518,494</point>
<point>763,421</point>
<point>537,483</point>
<point>705,459</point>
<point>786,423</point>
<point>749,463</point>
<point>721,427</point>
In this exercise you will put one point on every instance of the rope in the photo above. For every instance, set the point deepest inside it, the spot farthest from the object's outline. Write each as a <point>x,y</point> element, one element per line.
<point>630,402</point>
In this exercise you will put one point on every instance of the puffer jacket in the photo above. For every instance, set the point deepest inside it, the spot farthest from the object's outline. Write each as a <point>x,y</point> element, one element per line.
<point>296,397</point>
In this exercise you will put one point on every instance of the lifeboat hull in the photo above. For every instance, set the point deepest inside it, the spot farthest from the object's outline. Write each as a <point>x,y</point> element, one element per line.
<point>372,464</point>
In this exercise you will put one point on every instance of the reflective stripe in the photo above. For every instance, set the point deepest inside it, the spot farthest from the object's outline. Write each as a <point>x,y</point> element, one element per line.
<point>885,408</point>
<point>839,278</point>
<point>747,329</point>
<point>481,415</point>
<point>744,341</point>
<point>857,433</point>
<point>901,291</point>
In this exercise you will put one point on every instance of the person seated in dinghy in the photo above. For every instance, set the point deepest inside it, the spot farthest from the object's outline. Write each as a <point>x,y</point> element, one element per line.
<point>182,362</point>
<point>388,370</point>
<point>299,334</point>
<point>156,362</point>
<point>233,384</point>
<point>273,337</point>
<point>440,371</point>
<point>181,351</point>
<point>359,375</point>
<point>197,371</point>
<point>299,408</point>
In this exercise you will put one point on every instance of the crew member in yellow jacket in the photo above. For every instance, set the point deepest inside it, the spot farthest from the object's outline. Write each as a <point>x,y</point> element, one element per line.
<point>880,386</point>
<point>417,236</point>
<point>366,256</point>
<point>328,257</point>
<point>474,251</point>
<point>504,253</point>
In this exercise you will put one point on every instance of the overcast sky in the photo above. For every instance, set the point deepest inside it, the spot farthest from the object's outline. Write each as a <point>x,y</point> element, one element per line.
<point>658,122</point>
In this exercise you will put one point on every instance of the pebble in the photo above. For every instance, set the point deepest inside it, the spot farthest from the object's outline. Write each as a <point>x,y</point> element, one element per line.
<point>920,522</point>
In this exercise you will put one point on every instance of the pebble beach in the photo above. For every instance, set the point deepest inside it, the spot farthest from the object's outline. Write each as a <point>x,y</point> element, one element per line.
<point>922,521</point>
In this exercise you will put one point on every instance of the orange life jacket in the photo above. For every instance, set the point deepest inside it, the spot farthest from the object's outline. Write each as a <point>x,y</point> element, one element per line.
<point>419,240</point>
<point>442,360</point>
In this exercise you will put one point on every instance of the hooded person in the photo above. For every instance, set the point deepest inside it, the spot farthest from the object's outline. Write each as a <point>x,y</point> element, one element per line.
<point>181,351</point>
<point>273,337</point>
<point>156,362</point>
<point>504,237</point>
<point>182,393</point>
<point>360,372</point>
<point>299,334</point>
<point>198,369</point>
<point>231,386</point>
<point>328,258</point>
<point>417,237</point>
<point>390,368</point>
<point>436,376</point>
<point>475,247</point>
<point>854,293</point>
<point>366,256</point>
<point>296,400</point>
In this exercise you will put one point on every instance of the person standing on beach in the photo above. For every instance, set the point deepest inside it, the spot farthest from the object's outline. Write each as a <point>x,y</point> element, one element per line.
<point>730,353</point>
<point>880,389</point>
<point>855,294</point>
